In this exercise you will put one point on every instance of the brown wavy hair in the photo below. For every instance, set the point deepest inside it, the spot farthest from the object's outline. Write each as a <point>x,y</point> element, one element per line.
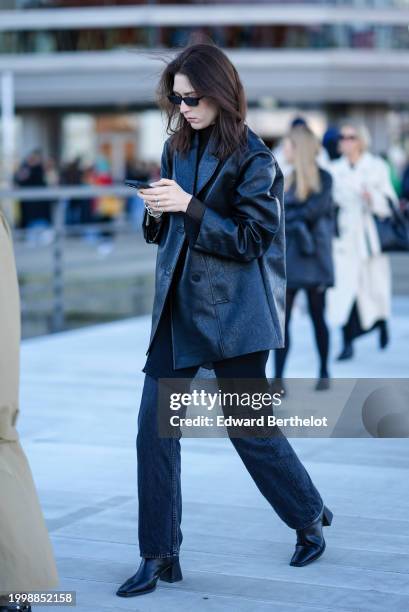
<point>212,74</point>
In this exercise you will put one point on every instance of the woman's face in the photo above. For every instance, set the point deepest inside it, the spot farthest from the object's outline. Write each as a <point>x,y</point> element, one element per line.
<point>199,116</point>
<point>350,143</point>
<point>288,150</point>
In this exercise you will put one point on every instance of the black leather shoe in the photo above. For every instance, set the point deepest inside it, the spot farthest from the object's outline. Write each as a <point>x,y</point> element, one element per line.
<point>148,574</point>
<point>310,540</point>
<point>347,352</point>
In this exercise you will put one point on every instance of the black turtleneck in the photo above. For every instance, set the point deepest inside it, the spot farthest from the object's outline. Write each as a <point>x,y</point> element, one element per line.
<point>204,135</point>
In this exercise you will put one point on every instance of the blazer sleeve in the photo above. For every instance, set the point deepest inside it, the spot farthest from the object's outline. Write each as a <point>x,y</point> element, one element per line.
<point>151,228</point>
<point>256,214</point>
<point>193,219</point>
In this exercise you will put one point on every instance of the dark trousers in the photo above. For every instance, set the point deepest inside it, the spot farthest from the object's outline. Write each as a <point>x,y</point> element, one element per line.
<point>316,310</point>
<point>271,462</point>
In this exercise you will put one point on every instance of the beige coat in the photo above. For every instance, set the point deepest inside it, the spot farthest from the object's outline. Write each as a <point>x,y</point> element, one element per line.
<point>362,271</point>
<point>26,557</point>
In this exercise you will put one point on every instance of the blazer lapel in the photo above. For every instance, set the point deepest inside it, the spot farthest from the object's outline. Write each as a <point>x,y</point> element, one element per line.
<point>207,166</point>
<point>184,167</point>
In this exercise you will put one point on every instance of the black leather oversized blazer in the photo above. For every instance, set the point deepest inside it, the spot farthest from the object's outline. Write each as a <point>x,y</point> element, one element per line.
<point>230,297</point>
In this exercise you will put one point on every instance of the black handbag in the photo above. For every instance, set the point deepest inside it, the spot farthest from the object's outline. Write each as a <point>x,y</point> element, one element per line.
<point>393,231</point>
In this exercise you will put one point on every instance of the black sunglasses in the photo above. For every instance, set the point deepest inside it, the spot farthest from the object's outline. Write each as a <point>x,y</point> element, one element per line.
<point>348,137</point>
<point>174,99</point>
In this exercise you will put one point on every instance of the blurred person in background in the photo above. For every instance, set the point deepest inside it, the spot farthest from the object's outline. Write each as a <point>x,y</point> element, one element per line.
<point>79,210</point>
<point>137,171</point>
<point>405,184</point>
<point>107,207</point>
<point>330,142</point>
<point>323,158</point>
<point>309,228</point>
<point>154,170</point>
<point>89,178</point>
<point>394,174</point>
<point>51,172</point>
<point>219,301</point>
<point>31,173</point>
<point>361,298</point>
<point>26,557</point>
<point>278,151</point>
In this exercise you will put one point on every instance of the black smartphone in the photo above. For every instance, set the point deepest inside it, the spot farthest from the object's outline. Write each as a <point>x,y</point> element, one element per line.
<point>138,184</point>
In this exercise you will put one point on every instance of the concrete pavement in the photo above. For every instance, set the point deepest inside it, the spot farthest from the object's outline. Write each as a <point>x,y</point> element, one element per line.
<point>80,398</point>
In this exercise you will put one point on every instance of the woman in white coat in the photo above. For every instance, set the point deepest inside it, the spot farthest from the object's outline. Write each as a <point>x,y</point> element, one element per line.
<point>361,298</point>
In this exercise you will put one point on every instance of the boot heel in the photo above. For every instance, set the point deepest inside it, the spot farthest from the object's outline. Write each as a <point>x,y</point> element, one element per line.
<point>327,517</point>
<point>172,573</point>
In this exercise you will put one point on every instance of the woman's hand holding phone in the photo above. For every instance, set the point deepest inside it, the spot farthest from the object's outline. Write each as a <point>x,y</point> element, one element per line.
<point>144,185</point>
<point>165,195</point>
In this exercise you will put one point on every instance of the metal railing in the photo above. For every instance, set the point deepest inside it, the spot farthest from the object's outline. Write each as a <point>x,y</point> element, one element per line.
<point>59,198</point>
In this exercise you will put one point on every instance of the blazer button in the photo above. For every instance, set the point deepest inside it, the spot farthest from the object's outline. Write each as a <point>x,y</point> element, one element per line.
<point>196,278</point>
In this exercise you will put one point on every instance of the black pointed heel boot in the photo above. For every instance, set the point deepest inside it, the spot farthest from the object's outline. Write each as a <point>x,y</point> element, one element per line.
<point>347,352</point>
<point>310,540</point>
<point>148,574</point>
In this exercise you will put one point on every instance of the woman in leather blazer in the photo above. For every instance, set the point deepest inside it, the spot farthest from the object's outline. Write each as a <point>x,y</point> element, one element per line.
<point>309,226</point>
<point>216,216</point>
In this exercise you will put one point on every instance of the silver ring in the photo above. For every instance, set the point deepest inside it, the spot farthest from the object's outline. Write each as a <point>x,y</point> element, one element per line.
<point>158,205</point>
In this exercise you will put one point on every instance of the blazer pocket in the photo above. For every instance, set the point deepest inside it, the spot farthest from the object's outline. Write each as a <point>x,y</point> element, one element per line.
<point>218,279</point>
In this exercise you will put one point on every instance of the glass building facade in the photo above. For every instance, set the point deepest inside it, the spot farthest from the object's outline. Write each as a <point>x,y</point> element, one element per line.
<point>343,36</point>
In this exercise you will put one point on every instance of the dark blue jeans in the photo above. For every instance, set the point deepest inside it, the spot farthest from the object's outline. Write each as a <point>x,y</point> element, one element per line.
<point>271,462</point>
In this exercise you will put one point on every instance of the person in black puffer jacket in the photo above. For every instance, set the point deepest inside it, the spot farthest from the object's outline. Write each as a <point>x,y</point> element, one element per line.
<point>310,225</point>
